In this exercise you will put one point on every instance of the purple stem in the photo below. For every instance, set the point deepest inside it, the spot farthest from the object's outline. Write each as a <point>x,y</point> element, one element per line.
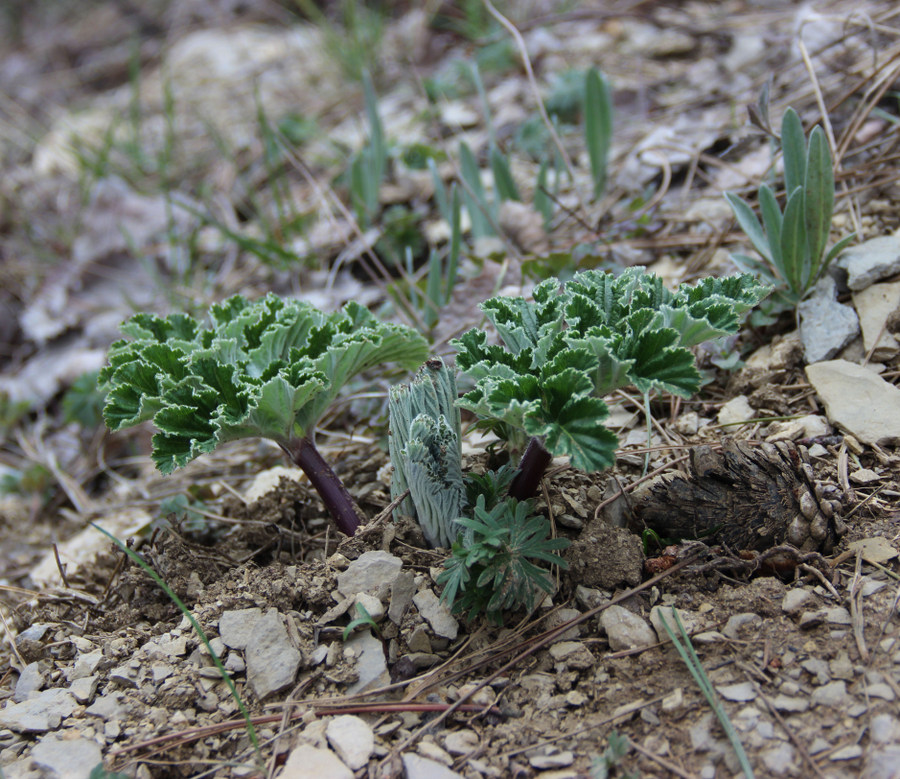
<point>531,468</point>
<point>334,494</point>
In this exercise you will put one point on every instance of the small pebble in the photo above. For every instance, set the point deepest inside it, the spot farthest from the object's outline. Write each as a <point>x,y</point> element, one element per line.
<point>849,752</point>
<point>557,760</point>
<point>831,694</point>
<point>796,601</point>
<point>737,692</point>
<point>881,690</point>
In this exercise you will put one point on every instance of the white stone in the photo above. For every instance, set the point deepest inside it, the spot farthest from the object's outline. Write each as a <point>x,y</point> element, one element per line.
<point>808,426</point>
<point>871,261</point>
<point>826,326</point>
<point>371,572</point>
<point>796,600</point>
<point>864,476</point>
<point>84,688</point>
<point>884,728</point>
<point>658,613</point>
<point>461,742</point>
<point>43,711</point>
<point>790,703</point>
<point>267,481</point>
<point>272,660</point>
<point>739,693</point>
<point>874,305</point>
<point>881,690</point>
<point>674,700</point>
<point>858,400</point>
<point>307,761</point>
<point>738,409</point>
<point>849,752</point>
<point>373,606</point>
<point>370,662</point>
<point>572,654</point>
<point>352,738</point>
<point>437,614</point>
<point>626,630</point>
<point>418,767</point>
<point>66,758</point>
<point>432,751</point>
<point>779,760</point>
<point>831,694</point>
<point>736,622</point>
<point>838,615</point>
<point>554,760</point>
<point>29,682</point>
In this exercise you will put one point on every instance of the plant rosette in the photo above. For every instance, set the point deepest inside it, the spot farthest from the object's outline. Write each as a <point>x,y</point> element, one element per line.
<point>569,346</point>
<point>267,369</point>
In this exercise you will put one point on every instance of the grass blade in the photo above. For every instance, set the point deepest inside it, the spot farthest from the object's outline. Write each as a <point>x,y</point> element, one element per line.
<point>251,731</point>
<point>476,200</point>
<point>504,184</point>
<point>433,295</point>
<point>597,126</point>
<point>376,129</point>
<point>455,242</point>
<point>440,191</point>
<point>485,106</point>
<point>685,648</point>
<point>543,203</point>
<point>837,249</point>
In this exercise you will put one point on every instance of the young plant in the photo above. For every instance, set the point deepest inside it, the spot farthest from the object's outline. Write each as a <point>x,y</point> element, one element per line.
<point>425,451</point>
<point>492,567</point>
<point>793,243</point>
<point>269,368</point>
<point>368,168</point>
<point>598,118</point>
<point>561,352</point>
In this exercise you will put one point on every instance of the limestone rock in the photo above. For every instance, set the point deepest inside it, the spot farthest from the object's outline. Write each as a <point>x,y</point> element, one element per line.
<point>858,400</point>
<point>871,261</point>
<point>626,630</point>
<point>436,614</point>
<point>826,326</point>
<point>370,572</point>
<point>352,738</point>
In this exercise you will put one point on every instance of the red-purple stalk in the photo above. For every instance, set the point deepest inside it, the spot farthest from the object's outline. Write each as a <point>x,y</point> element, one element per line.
<point>331,489</point>
<point>531,468</point>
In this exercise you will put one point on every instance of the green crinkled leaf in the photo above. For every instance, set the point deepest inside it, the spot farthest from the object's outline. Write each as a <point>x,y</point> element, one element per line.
<point>183,435</point>
<point>696,327</point>
<point>611,372</point>
<point>661,364</point>
<point>520,322</point>
<point>268,368</point>
<point>577,358</point>
<point>599,333</point>
<point>571,422</point>
<point>478,358</point>
<point>742,291</point>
